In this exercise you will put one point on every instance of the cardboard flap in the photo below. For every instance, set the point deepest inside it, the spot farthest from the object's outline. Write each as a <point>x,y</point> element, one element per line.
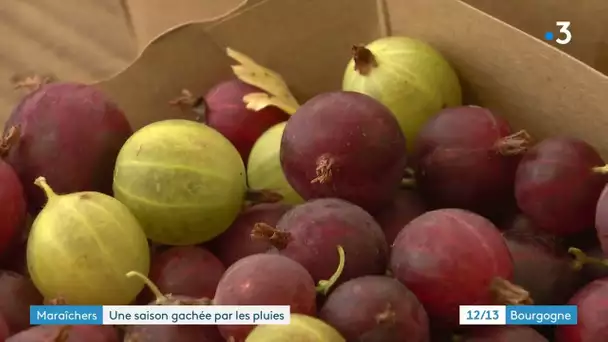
<point>588,18</point>
<point>534,85</point>
<point>151,18</point>
<point>185,58</point>
<point>306,41</point>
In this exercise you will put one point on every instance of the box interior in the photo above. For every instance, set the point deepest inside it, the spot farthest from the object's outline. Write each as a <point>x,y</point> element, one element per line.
<point>534,85</point>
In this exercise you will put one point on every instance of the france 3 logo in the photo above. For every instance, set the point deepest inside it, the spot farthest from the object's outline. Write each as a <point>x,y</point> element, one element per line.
<point>563,36</point>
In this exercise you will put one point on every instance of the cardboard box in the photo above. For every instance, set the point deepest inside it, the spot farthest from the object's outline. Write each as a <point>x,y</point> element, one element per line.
<point>534,85</point>
<point>531,83</point>
<point>79,40</point>
<point>587,18</point>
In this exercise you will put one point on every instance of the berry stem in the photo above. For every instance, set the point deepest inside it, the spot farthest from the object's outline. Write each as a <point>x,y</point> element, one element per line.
<point>196,104</point>
<point>48,191</point>
<point>262,196</point>
<point>325,285</point>
<point>277,238</point>
<point>160,297</point>
<point>364,59</point>
<point>9,140</point>
<point>63,334</point>
<point>388,316</point>
<point>55,301</point>
<point>408,183</point>
<point>507,293</point>
<point>31,83</point>
<point>324,170</point>
<point>514,144</point>
<point>581,259</point>
<point>601,169</point>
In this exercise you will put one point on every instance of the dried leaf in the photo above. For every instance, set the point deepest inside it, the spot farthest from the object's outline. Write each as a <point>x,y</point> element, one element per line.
<point>278,93</point>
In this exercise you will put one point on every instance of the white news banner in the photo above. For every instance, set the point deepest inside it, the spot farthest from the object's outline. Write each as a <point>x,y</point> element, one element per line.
<point>159,315</point>
<point>518,315</point>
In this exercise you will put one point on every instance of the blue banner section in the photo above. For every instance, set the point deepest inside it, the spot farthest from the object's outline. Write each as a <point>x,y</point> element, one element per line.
<point>66,314</point>
<point>542,315</point>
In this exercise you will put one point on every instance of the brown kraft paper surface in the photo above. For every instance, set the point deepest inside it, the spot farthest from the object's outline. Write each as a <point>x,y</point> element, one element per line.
<point>588,24</point>
<point>74,40</point>
<point>193,56</point>
<point>532,84</point>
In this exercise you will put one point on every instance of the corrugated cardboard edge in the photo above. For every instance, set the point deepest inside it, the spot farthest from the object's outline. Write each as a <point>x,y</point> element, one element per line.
<point>538,88</point>
<point>170,62</point>
<point>137,89</point>
<point>145,41</point>
<point>229,13</point>
<point>150,19</point>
